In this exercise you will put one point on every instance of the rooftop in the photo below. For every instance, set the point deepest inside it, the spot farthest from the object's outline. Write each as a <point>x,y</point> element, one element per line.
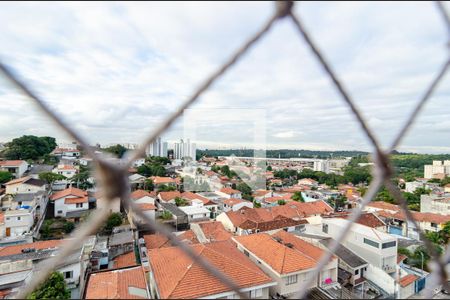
<point>177,276</point>
<point>11,163</point>
<point>229,191</point>
<point>138,194</point>
<point>361,229</point>
<point>125,260</point>
<point>277,255</point>
<point>68,192</point>
<point>192,210</point>
<point>345,254</point>
<point>126,283</point>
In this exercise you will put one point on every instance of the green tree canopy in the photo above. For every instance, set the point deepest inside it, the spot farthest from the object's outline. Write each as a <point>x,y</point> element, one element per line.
<point>166,215</point>
<point>53,288</point>
<point>281,202</point>
<point>5,176</point>
<point>29,147</point>
<point>166,188</point>
<point>115,219</point>
<point>51,177</point>
<point>298,197</point>
<point>180,201</point>
<point>118,150</point>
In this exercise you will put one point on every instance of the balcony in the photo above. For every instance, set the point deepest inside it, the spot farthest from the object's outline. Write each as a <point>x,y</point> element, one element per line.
<point>329,283</point>
<point>389,269</point>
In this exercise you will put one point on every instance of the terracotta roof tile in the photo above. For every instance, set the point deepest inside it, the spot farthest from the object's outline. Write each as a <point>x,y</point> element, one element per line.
<point>407,280</point>
<point>70,191</point>
<point>18,180</point>
<point>177,276</point>
<point>418,216</point>
<point>157,240</point>
<point>76,200</point>
<point>146,206</point>
<point>233,201</point>
<point>138,194</point>
<point>167,196</point>
<point>229,191</point>
<point>383,205</point>
<point>368,219</point>
<point>17,249</point>
<point>125,260</point>
<point>279,257</point>
<point>162,180</point>
<point>116,284</point>
<point>11,163</point>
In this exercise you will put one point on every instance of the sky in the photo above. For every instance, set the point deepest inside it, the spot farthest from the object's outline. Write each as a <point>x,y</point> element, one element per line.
<point>115,70</point>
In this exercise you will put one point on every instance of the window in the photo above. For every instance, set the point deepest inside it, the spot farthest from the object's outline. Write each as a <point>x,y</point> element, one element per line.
<point>59,211</point>
<point>7,218</point>
<point>291,279</point>
<point>434,225</point>
<point>246,253</point>
<point>19,218</point>
<point>256,293</point>
<point>389,245</point>
<point>325,228</point>
<point>68,274</point>
<point>356,272</point>
<point>78,205</point>
<point>371,243</point>
<point>20,203</point>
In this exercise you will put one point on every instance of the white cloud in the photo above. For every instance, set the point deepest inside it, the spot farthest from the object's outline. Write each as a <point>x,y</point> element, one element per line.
<point>115,70</point>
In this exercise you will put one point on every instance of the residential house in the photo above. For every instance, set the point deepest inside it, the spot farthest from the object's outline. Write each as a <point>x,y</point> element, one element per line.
<point>366,218</point>
<point>18,264</point>
<point>70,203</point>
<point>124,260</point>
<point>260,195</point>
<point>199,200</point>
<point>167,181</point>
<point>168,197</point>
<point>137,181</point>
<point>141,196</point>
<point>376,247</point>
<point>16,167</point>
<point>68,152</point>
<point>308,181</point>
<point>174,275</point>
<point>196,213</point>
<point>123,283</point>
<point>234,204</point>
<point>288,260</point>
<point>67,171</point>
<point>121,241</point>
<point>25,185</point>
<point>229,193</point>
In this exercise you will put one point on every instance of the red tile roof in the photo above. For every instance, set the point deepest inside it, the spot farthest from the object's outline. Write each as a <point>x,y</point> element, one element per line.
<point>401,257</point>
<point>146,206</point>
<point>66,167</point>
<point>383,205</point>
<point>11,163</point>
<point>233,201</point>
<point>418,216</point>
<point>115,284</point>
<point>138,194</point>
<point>162,180</point>
<point>157,240</point>
<point>17,249</point>
<point>76,200</point>
<point>367,219</point>
<point>407,280</point>
<point>229,191</point>
<point>167,196</point>
<point>125,260</point>
<point>192,196</point>
<point>68,192</point>
<point>278,223</point>
<point>279,257</point>
<point>18,180</point>
<point>178,277</point>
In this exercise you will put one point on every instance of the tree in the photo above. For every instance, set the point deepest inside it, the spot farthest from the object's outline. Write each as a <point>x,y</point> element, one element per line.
<point>68,227</point>
<point>166,188</point>
<point>82,179</point>
<point>51,177</point>
<point>115,219</point>
<point>29,147</point>
<point>256,204</point>
<point>166,215</point>
<point>269,168</point>
<point>298,197</point>
<point>180,201</point>
<point>53,288</point>
<point>117,150</point>
<point>5,176</point>
<point>148,185</point>
<point>281,202</point>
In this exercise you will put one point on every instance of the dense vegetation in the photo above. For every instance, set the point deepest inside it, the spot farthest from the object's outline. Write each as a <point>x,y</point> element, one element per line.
<point>117,150</point>
<point>54,287</point>
<point>5,176</point>
<point>282,153</point>
<point>29,147</point>
<point>154,166</point>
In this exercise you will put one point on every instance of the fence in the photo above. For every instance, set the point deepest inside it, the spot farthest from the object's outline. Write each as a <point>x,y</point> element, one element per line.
<point>113,179</point>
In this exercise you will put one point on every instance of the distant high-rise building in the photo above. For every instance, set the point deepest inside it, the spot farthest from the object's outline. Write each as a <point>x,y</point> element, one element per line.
<point>157,148</point>
<point>184,149</point>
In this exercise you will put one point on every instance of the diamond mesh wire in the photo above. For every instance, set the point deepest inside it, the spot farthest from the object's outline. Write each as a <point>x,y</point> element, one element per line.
<point>114,183</point>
